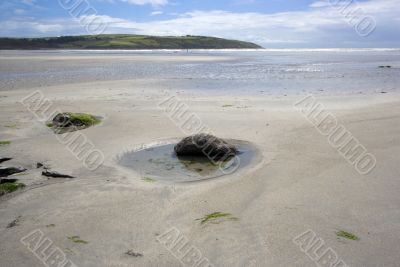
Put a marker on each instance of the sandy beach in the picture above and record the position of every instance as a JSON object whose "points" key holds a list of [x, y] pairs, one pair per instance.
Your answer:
{"points": [[300, 183]]}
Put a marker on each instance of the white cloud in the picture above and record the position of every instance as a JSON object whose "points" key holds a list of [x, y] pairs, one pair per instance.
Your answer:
{"points": [[36, 27], [19, 11], [29, 2], [155, 13], [146, 2], [320, 4]]}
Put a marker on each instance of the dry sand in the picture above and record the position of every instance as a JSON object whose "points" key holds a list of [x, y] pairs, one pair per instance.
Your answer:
{"points": [[302, 182]]}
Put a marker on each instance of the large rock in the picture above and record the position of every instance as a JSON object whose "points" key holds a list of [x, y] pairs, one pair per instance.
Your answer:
{"points": [[71, 122], [205, 145], [71, 119]]}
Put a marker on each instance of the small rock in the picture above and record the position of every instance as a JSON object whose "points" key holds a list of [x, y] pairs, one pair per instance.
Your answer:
{"points": [[14, 223], [133, 254], [205, 145], [39, 165], [4, 159], [7, 171], [54, 174]]}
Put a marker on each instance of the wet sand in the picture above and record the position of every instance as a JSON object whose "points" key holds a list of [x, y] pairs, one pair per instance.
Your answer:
{"points": [[302, 182]]}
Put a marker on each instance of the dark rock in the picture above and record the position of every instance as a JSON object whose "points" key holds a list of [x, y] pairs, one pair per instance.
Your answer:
{"points": [[70, 122], [62, 120], [54, 174], [4, 159], [133, 254], [14, 223], [5, 181], [205, 145], [39, 165], [7, 171], [70, 119]]}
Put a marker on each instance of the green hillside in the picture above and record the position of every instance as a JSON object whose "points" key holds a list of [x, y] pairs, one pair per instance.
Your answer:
{"points": [[123, 41]]}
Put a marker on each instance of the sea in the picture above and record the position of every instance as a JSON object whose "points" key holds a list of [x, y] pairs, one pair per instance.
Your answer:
{"points": [[268, 71]]}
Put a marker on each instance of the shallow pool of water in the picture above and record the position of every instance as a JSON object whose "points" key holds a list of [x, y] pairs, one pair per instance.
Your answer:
{"points": [[160, 163]]}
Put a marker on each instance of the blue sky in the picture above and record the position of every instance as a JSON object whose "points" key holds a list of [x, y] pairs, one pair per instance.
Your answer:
{"points": [[270, 23]]}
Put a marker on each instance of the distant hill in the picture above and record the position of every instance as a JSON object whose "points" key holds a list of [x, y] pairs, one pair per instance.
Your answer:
{"points": [[123, 41]]}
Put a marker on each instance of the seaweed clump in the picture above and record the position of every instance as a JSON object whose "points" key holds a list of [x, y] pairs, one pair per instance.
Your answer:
{"points": [[70, 122]]}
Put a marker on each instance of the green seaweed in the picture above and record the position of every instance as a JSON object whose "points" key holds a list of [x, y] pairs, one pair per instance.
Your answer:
{"points": [[214, 217], [77, 121], [83, 118], [148, 179], [12, 126], [77, 239], [10, 187], [347, 235], [4, 143]]}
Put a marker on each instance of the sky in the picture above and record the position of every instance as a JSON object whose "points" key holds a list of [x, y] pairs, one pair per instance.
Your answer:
{"points": [[269, 23]]}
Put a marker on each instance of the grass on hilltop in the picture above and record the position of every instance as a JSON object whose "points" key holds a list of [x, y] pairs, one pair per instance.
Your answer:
{"points": [[124, 41]]}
